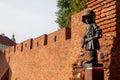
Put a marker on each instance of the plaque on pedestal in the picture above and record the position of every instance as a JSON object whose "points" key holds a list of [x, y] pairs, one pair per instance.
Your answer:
{"points": [[88, 65]]}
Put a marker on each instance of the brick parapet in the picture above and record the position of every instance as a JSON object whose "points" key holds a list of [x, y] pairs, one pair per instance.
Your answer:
{"points": [[41, 41]]}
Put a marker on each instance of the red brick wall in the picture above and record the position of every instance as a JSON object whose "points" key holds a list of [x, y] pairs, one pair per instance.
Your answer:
{"points": [[50, 57]]}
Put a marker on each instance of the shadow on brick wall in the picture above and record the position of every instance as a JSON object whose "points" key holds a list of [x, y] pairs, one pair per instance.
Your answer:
{"points": [[5, 71], [115, 52]]}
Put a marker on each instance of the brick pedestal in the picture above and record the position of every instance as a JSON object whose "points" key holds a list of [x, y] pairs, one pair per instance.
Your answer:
{"points": [[94, 73]]}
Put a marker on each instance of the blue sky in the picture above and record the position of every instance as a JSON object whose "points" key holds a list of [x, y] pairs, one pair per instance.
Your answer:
{"points": [[27, 18]]}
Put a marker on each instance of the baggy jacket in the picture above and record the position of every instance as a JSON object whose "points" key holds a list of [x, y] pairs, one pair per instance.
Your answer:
{"points": [[91, 36]]}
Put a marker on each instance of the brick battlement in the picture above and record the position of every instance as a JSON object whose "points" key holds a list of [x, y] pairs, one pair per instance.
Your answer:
{"points": [[41, 41], [51, 56]]}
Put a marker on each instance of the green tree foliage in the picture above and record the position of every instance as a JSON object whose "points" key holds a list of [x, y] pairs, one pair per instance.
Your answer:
{"points": [[66, 9]]}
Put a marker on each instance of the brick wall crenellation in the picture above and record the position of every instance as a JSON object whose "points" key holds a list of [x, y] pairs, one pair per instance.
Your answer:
{"points": [[58, 36]]}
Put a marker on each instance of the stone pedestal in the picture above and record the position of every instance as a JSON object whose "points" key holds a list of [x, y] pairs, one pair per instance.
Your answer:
{"points": [[93, 72]]}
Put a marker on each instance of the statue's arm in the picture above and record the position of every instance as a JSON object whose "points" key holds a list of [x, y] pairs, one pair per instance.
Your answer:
{"points": [[83, 41], [97, 36], [89, 39]]}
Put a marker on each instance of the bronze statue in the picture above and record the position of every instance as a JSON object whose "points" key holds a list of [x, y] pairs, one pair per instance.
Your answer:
{"points": [[91, 36]]}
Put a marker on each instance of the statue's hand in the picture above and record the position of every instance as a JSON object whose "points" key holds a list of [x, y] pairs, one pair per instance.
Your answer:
{"points": [[89, 39]]}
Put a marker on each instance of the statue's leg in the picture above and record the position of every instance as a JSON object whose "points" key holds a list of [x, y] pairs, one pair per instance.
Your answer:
{"points": [[93, 56]]}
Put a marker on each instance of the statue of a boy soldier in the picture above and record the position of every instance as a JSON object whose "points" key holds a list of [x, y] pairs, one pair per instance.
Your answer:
{"points": [[91, 36]]}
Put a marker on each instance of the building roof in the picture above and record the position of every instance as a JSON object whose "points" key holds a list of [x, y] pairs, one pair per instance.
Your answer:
{"points": [[6, 41]]}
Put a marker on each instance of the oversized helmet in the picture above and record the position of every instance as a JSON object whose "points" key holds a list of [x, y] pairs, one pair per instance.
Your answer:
{"points": [[88, 17]]}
